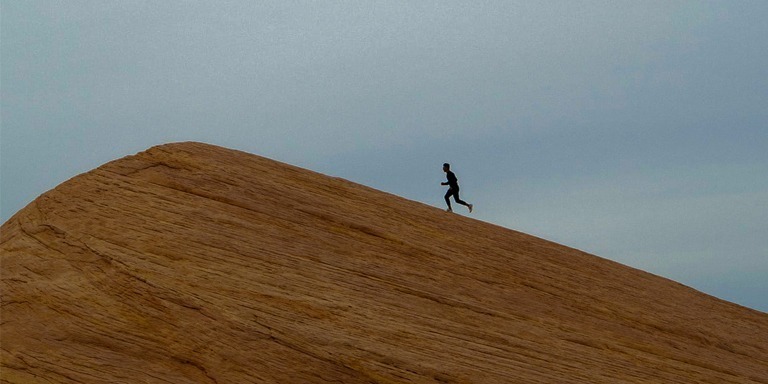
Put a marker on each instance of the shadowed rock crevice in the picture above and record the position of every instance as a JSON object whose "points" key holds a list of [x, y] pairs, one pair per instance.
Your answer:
{"points": [[191, 263]]}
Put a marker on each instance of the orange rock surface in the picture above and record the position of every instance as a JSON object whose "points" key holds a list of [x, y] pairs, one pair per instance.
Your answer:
{"points": [[191, 263]]}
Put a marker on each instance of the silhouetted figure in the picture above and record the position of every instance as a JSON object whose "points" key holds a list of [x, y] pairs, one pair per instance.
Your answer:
{"points": [[453, 188]]}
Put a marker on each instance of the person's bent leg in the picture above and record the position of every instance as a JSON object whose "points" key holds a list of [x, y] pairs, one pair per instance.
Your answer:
{"points": [[448, 199]]}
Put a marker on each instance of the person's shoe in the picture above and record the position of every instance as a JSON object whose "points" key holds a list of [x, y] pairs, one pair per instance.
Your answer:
{"points": [[449, 210], [470, 208]]}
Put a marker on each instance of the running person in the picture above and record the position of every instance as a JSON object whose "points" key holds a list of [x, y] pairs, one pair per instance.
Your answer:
{"points": [[453, 188]]}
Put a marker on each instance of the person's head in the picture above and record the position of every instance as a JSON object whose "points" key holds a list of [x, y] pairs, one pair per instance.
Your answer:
{"points": [[446, 167]]}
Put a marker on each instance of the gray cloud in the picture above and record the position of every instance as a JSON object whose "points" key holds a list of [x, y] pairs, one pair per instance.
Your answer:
{"points": [[633, 130]]}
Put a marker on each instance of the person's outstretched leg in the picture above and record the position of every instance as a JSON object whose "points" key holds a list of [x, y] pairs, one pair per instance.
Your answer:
{"points": [[460, 201]]}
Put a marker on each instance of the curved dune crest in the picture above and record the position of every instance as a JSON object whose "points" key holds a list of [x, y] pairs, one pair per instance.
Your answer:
{"points": [[191, 263]]}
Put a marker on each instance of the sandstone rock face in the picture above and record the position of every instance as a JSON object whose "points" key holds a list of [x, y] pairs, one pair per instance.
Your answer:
{"points": [[190, 263]]}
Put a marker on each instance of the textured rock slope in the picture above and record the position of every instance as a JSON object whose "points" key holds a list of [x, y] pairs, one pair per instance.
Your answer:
{"points": [[190, 263]]}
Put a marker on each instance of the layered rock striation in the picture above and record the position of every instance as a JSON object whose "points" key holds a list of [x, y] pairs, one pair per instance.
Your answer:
{"points": [[191, 263]]}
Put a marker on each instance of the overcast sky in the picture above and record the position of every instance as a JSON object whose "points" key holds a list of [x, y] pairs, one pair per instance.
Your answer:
{"points": [[634, 130]]}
